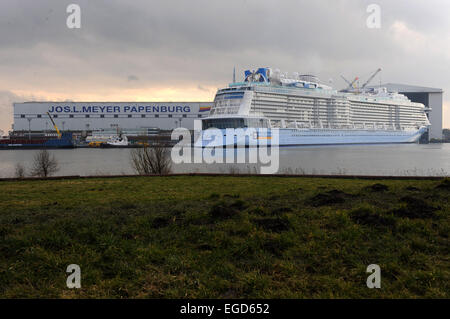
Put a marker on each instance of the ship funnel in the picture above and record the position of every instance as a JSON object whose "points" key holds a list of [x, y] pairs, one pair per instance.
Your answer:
{"points": [[275, 76]]}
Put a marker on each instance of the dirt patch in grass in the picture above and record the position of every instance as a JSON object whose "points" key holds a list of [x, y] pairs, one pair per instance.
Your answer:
{"points": [[205, 247], [160, 222], [369, 217], [281, 210], [378, 187], [231, 196], [214, 196], [125, 205], [4, 231], [261, 211], [329, 198], [224, 210], [239, 204], [276, 245], [274, 224], [412, 189], [273, 247], [444, 185], [415, 208]]}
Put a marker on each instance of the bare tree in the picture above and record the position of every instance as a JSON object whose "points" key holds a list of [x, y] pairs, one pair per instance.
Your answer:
{"points": [[20, 171], [154, 159], [43, 164]]}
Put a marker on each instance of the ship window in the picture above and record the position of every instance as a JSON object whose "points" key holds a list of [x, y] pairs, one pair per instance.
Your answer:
{"points": [[22, 115], [129, 115], [170, 115], [184, 115], [116, 115], [142, 115], [71, 115], [87, 115], [55, 116], [102, 115], [224, 123], [39, 116], [156, 115]]}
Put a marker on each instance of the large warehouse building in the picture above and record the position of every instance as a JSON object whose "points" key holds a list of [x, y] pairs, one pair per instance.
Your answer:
{"points": [[432, 98], [89, 116]]}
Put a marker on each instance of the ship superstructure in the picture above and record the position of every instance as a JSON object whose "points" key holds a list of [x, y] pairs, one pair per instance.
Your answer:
{"points": [[310, 112]]}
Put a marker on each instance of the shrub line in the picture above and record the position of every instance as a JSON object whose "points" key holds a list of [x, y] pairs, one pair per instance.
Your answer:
{"points": [[365, 177]]}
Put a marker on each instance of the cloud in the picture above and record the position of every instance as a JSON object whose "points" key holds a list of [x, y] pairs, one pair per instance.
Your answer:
{"points": [[169, 46], [133, 78], [201, 88], [7, 98], [409, 39]]}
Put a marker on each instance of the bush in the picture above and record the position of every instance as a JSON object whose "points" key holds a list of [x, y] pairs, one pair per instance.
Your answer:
{"points": [[43, 164], [152, 160], [20, 171]]}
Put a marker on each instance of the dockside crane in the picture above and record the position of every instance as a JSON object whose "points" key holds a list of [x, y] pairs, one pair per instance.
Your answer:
{"points": [[350, 84], [370, 79], [54, 125]]}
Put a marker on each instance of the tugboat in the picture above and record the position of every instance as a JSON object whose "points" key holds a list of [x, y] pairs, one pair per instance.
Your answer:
{"points": [[117, 141]]}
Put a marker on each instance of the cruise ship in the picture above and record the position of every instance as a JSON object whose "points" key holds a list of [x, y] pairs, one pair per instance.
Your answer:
{"points": [[308, 112]]}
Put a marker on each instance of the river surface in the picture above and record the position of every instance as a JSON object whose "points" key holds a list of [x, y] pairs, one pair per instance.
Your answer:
{"points": [[399, 160]]}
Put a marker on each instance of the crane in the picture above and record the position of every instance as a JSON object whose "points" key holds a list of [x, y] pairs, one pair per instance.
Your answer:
{"points": [[370, 79], [350, 84], [54, 125]]}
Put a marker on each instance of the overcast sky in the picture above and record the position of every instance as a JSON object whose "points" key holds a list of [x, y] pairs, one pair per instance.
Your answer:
{"points": [[144, 50]]}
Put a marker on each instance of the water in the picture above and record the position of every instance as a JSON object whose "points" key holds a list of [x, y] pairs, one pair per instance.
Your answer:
{"points": [[399, 160]]}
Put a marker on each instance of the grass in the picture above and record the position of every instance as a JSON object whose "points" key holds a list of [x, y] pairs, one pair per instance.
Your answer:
{"points": [[224, 237]]}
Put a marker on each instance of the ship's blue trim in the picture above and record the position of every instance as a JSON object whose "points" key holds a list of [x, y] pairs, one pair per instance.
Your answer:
{"points": [[233, 97]]}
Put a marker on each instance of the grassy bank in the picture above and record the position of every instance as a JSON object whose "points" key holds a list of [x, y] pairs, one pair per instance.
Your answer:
{"points": [[214, 237]]}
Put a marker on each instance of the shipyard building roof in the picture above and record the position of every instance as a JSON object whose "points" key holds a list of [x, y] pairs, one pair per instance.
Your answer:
{"points": [[405, 88]]}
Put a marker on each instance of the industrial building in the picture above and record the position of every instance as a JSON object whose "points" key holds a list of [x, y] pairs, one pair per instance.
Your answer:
{"points": [[432, 98], [92, 116]]}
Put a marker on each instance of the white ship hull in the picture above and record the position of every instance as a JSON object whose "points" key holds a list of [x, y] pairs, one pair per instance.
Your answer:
{"points": [[298, 137]]}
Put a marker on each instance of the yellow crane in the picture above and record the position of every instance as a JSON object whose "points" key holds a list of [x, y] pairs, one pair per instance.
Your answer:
{"points": [[54, 125]]}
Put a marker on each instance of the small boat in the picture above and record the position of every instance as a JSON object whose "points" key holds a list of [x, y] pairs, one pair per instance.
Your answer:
{"points": [[96, 143], [116, 141]]}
